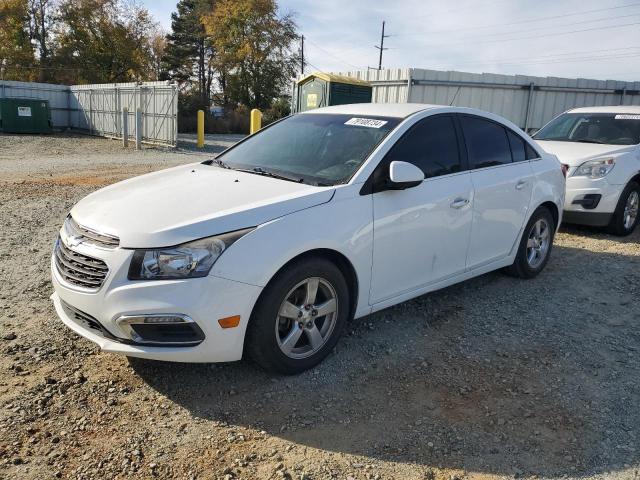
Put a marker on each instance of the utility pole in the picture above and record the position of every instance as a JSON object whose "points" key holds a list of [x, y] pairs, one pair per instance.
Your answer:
{"points": [[381, 47], [302, 54]]}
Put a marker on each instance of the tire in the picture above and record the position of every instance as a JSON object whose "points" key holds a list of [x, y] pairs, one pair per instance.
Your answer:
{"points": [[283, 337], [621, 222], [527, 264]]}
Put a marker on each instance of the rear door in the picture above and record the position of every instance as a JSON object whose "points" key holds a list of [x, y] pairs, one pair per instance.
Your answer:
{"points": [[421, 234], [502, 179]]}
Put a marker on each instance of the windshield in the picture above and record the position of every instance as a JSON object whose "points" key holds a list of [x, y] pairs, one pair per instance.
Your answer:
{"points": [[605, 128], [319, 149]]}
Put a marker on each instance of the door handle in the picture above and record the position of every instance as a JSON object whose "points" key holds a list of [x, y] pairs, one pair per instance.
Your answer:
{"points": [[521, 184], [459, 203]]}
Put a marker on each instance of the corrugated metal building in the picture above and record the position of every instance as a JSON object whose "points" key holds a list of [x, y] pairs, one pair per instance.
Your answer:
{"points": [[529, 102]]}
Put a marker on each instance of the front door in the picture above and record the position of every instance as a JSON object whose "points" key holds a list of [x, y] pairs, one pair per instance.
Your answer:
{"points": [[421, 234]]}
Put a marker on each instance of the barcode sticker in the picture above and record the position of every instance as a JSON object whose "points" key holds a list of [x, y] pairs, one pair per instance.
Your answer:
{"points": [[366, 122], [627, 117]]}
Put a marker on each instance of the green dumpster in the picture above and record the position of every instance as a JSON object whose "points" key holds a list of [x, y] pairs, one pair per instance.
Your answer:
{"points": [[24, 115], [324, 89]]}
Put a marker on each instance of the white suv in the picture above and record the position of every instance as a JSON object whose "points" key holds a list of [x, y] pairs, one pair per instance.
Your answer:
{"points": [[600, 146], [319, 218]]}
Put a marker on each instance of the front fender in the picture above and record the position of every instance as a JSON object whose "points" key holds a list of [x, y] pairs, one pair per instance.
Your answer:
{"points": [[345, 225]]}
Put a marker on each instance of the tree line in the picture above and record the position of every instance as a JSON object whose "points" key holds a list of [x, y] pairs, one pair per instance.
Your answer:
{"points": [[78, 41], [235, 54]]}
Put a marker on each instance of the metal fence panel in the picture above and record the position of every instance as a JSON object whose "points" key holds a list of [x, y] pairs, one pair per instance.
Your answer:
{"points": [[529, 102], [97, 109], [100, 110]]}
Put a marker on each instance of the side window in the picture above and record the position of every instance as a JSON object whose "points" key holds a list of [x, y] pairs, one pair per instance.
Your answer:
{"points": [[486, 141], [432, 145], [531, 153], [517, 147]]}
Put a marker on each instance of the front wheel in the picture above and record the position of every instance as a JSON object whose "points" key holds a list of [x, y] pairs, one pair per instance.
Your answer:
{"points": [[625, 218], [299, 317], [535, 246]]}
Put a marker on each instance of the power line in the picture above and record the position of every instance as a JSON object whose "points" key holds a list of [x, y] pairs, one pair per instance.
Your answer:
{"points": [[528, 20], [567, 24], [544, 35], [553, 56], [341, 60]]}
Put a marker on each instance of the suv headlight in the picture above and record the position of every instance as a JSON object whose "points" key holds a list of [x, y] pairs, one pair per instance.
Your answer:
{"points": [[595, 168], [189, 260]]}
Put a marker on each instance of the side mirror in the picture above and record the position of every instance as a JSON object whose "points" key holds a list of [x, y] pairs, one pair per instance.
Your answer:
{"points": [[404, 175]]}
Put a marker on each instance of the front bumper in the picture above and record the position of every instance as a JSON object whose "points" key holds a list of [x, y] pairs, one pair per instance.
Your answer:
{"points": [[590, 201], [205, 300]]}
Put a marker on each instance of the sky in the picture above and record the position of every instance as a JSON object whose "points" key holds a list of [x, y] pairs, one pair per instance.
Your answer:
{"points": [[560, 38]]}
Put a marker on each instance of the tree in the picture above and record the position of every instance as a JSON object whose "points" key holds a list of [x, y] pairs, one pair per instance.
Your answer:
{"points": [[158, 46], [189, 53], [16, 53], [254, 57], [102, 41], [41, 21]]}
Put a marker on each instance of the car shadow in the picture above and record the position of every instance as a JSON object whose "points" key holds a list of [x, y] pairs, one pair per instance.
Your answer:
{"points": [[495, 375]]}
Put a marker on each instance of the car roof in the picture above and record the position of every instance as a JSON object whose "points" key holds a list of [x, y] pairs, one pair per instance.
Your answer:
{"points": [[398, 110], [608, 109]]}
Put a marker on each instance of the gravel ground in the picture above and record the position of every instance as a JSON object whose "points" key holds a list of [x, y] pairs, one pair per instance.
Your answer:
{"points": [[492, 378]]}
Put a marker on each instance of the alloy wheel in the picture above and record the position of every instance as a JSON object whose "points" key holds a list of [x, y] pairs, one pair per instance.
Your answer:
{"points": [[306, 318], [631, 210], [538, 243]]}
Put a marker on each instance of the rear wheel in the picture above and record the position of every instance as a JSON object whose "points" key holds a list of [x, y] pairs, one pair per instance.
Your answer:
{"points": [[535, 246], [299, 317], [625, 218]]}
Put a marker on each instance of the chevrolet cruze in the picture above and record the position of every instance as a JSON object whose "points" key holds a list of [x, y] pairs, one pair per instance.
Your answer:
{"points": [[272, 247]]}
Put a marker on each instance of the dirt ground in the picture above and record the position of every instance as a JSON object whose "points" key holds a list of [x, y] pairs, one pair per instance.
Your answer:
{"points": [[492, 378]]}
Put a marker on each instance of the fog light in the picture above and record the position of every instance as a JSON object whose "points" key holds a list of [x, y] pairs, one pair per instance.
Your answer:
{"points": [[161, 329]]}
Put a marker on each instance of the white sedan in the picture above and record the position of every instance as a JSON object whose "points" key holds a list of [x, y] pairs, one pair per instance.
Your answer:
{"points": [[271, 248], [601, 147]]}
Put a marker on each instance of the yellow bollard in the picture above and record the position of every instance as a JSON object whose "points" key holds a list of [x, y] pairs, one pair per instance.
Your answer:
{"points": [[256, 121], [200, 129]]}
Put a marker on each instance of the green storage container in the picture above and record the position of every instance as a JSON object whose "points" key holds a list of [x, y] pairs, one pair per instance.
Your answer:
{"points": [[323, 90], [24, 115]]}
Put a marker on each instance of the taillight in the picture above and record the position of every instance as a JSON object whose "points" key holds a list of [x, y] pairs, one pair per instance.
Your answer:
{"points": [[565, 169]]}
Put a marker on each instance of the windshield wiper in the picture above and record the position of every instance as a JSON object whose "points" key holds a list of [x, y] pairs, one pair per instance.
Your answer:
{"points": [[268, 173], [587, 140]]}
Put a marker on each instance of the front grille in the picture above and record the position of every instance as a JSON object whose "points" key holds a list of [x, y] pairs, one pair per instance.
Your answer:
{"points": [[86, 235], [78, 269]]}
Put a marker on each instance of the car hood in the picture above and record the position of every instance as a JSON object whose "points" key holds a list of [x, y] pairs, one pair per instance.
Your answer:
{"points": [[173, 206], [576, 153]]}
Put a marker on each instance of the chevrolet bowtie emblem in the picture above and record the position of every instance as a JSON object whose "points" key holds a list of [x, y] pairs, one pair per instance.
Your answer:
{"points": [[74, 240]]}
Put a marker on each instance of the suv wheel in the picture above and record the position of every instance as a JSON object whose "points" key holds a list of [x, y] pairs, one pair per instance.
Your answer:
{"points": [[535, 245], [299, 317], [625, 218]]}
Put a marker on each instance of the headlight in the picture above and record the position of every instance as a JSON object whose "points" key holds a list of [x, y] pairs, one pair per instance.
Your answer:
{"points": [[189, 260], [595, 168]]}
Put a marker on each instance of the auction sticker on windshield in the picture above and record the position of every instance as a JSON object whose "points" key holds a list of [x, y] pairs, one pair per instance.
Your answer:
{"points": [[366, 122], [627, 117]]}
